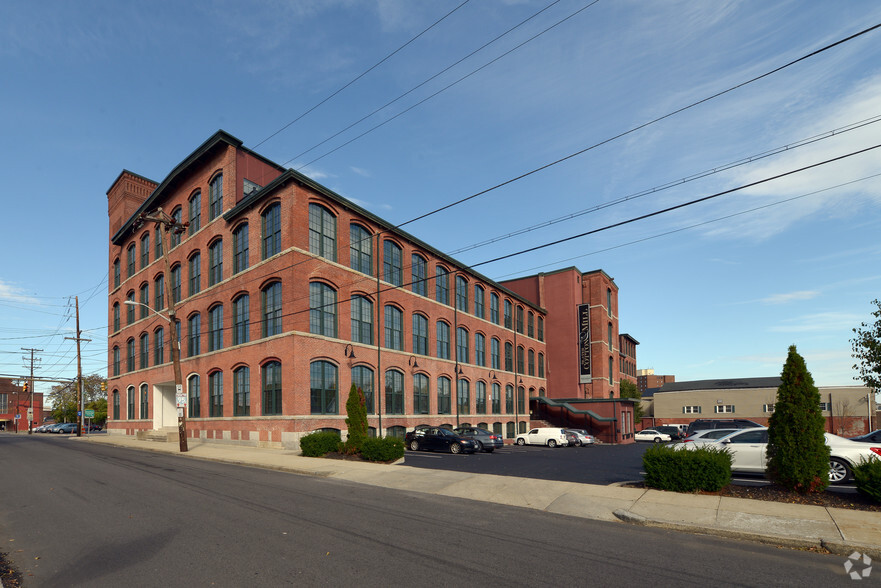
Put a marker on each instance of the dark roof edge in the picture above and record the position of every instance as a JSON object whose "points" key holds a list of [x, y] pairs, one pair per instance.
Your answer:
{"points": [[292, 175], [629, 336], [722, 384], [565, 269], [130, 172]]}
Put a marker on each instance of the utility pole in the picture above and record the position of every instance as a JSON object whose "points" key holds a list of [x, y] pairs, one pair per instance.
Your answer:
{"points": [[79, 371], [170, 225], [31, 389]]}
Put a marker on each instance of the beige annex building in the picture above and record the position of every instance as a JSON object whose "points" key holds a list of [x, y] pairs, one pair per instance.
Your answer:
{"points": [[848, 409]]}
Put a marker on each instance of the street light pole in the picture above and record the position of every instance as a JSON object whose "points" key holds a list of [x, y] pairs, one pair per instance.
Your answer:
{"points": [[169, 225]]}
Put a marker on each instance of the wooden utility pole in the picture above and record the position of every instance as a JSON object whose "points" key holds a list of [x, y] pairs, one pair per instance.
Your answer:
{"points": [[31, 390], [79, 371]]}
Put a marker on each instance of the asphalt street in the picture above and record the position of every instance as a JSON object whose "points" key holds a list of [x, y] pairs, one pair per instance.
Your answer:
{"points": [[79, 514]]}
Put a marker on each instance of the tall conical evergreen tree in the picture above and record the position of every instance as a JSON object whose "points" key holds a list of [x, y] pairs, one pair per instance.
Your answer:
{"points": [[798, 457], [356, 420]]}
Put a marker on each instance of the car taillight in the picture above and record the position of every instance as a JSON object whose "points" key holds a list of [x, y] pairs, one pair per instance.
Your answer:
{"points": [[687, 440], [875, 450]]}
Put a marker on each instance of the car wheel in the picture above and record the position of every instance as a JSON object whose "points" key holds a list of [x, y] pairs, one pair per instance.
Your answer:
{"points": [[657, 439], [455, 448], [414, 445], [478, 446], [578, 444], [552, 443], [521, 441], [839, 471], [490, 450]]}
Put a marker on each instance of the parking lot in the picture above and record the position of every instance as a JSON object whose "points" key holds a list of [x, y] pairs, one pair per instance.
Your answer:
{"points": [[598, 464]]}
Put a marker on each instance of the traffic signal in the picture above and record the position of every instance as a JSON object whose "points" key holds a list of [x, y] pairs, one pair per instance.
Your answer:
{"points": [[25, 389], [103, 386]]}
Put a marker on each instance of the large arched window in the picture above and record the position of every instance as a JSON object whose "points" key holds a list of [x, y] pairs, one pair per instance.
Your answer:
{"points": [[420, 394], [461, 294], [393, 271], [360, 249], [496, 398], [322, 310], [541, 365], [442, 284], [215, 197], [420, 334], [271, 230], [130, 354], [130, 307], [322, 232], [479, 301], [195, 263], [195, 212], [442, 333], [241, 320], [271, 303], [272, 388], [174, 236], [394, 327], [509, 357], [494, 354], [362, 377], [130, 403], [215, 262], [443, 396], [462, 350], [145, 250], [479, 349], [144, 299], [531, 364], [116, 276], [215, 328], [175, 283], [158, 346], [463, 396], [115, 316], [215, 394], [130, 257], [362, 320], [394, 392], [144, 351], [520, 360], [242, 391], [145, 408], [159, 292], [240, 248], [418, 269], [509, 399], [116, 405], [509, 309], [480, 397], [194, 334], [530, 324], [194, 397], [115, 360], [323, 385]]}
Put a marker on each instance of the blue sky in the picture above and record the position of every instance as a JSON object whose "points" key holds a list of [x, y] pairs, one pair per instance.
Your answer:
{"points": [[714, 290]]}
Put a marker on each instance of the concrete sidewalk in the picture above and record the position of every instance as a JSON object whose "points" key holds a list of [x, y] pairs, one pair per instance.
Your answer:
{"points": [[840, 531]]}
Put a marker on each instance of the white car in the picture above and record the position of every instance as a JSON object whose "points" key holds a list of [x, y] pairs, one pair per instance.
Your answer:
{"points": [[651, 435], [700, 438], [550, 436], [583, 437], [748, 449]]}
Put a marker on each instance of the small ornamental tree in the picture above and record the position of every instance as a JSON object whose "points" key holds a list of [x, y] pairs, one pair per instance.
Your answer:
{"points": [[356, 420], [867, 350], [798, 457], [629, 390]]}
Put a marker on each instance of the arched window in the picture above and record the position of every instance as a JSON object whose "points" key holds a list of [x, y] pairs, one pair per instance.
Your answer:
{"points": [[531, 364], [215, 262], [144, 299], [158, 346], [479, 308], [461, 294], [479, 349], [610, 336], [271, 303], [480, 398], [420, 394], [272, 388], [521, 400], [463, 396], [271, 230], [175, 236], [130, 354], [195, 263], [443, 396], [442, 285], [240, 248], [130, 402], [520, 319], [322, 310], [393, 271], [194, 397], [611, 375], [145, 250], [419, 268], [116, 405], [394, 327], [397, 431], [530, 324], [215, 328], [509, 357], [394, 392], [360, 249], [520, 358], [130, 308], [496, 398], [609, 301], [462, 352], [115, 360], [241, 391], [241, 332], [362, 377], [175, 283], [322, 232], [215, 197], [194, 335], [509, 309], [323, 385], [130, 256], [362, 320], [495, 358], [159, 292], [541, 328], [144, 351], [420, 334], [116, 276], [215, 394], [115, 316], [541, 365], [442, 331], [145, 409], [509, 399], [195, 212], [494, 308]]}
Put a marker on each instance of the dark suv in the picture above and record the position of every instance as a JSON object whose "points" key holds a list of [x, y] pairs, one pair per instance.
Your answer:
{"points": [[705, 424]]}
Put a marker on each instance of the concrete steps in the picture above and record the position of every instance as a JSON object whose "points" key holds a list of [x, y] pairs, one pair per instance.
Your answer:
{"points": [[164, 435]]}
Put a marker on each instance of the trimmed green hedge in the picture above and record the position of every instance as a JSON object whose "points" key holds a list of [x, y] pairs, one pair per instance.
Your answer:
{"points": [[317, 444], [382, 449], [867, 476], [686, 470]]}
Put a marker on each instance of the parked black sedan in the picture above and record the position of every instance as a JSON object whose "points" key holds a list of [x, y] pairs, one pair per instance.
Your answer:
{"points": [[438, 439], [484, 439], [873, 437]]}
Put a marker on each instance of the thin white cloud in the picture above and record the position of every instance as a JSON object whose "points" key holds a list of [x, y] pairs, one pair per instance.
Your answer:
{"points": [[818, 322], [10, 293], [790, 297], [361, 171]]}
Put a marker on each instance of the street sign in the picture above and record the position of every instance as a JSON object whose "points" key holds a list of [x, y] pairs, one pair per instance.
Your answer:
{"points": [[79, 413], [30, 414], [90, 413], [18, 416]]}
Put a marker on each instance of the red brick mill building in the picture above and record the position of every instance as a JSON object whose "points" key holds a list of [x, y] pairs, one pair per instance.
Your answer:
{"points": [[285, 294]]}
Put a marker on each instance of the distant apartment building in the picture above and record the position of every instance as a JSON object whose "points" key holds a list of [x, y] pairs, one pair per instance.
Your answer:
{"points": [[646, 379]]}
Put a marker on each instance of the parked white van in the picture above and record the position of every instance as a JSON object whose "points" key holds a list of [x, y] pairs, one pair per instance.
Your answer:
{"points": [[552, 437]]}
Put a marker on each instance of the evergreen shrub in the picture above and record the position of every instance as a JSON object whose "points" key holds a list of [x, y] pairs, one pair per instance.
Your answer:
{"points": [[705, 468], [867, 476], [318, 443], [382, 449], [356, 421]]}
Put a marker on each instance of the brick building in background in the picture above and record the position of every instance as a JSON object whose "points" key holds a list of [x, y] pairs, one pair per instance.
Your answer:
{"points": [[646, 379], [286, 294], [14, 401], [588, 357]]}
